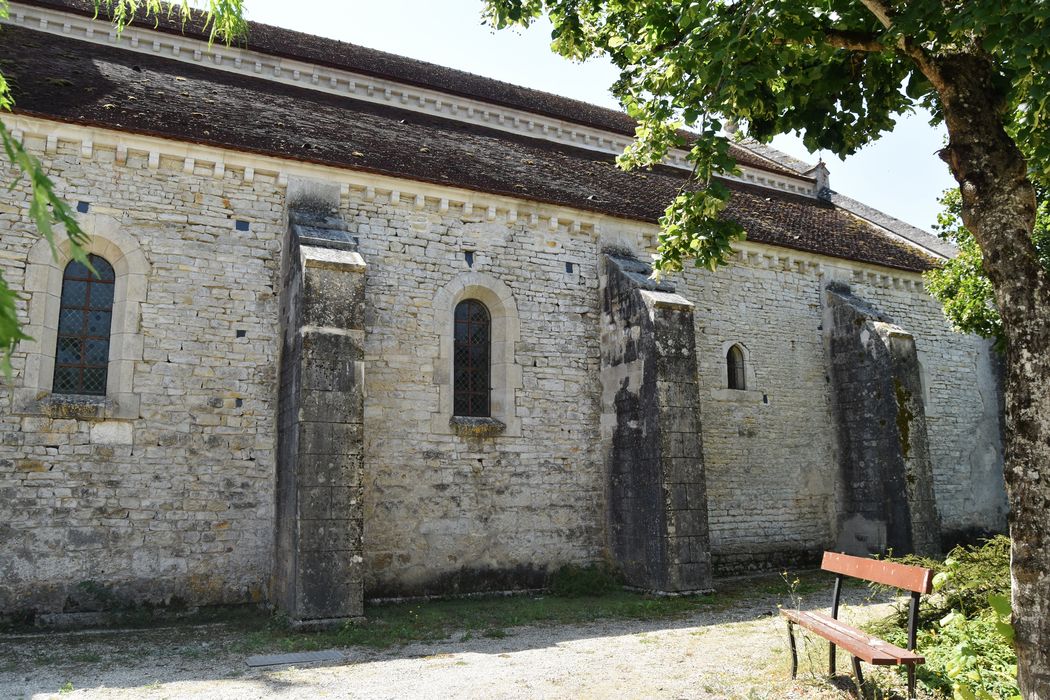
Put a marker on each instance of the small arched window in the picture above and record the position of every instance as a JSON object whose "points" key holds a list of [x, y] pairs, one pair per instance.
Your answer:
{"points": [[737, 375], [84, 321], [471, 359]]}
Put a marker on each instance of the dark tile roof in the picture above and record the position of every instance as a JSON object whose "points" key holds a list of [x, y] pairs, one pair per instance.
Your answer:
{"points": [[286, 43], [64, 79]]}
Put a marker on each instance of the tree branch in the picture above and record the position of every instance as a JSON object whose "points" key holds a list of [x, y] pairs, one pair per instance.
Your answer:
{"points": [[881, 10], [884, 14], [854, 41]]}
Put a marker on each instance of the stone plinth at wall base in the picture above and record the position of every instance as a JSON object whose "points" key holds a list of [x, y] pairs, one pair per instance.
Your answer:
{"points": [[323, 624], [469, 426], [70, 621], [108, 621], [670, 594]]}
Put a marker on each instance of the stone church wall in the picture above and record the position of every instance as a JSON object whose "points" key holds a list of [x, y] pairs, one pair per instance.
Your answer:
{"points": [[768, 449], [171, 497], [174, 502], [445, 512]]}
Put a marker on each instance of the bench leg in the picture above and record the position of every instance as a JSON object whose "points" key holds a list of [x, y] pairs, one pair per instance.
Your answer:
{"points": [[794, 650], [859, 675], [911, 681], [831, 659]]}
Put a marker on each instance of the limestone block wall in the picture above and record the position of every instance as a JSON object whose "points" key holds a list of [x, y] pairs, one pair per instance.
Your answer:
{"points": [[168, 494], [767, 449], [445, 512], [170, 498], [963, 407]]}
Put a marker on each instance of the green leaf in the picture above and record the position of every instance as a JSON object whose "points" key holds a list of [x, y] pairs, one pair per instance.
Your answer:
{"points": [[1000, 604]]}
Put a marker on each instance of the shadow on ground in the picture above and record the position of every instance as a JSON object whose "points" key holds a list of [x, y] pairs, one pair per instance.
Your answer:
{"points": [[108, 661]]}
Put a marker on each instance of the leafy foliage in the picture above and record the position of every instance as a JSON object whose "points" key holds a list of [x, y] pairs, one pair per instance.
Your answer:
{"points": [[965, 578], [53, 218], [830, 69], [47, 210], [965, 632], [961, 284], [224, 19]]}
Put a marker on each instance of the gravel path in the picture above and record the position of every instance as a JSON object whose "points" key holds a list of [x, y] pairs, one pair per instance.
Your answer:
{"points": [[738, 651]]}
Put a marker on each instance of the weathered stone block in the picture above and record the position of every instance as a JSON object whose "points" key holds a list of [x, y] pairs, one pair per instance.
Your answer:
{"points": [[657, 510], [884, 454], [319, 539], [112, 433]]}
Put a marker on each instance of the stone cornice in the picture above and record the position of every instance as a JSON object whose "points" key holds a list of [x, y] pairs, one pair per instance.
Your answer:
{"points": [[358, 86], [423, 196]]}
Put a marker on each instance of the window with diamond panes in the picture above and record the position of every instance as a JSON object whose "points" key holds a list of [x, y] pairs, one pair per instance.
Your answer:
{"points": [[82, 352], [735, 368], [472, 384]]}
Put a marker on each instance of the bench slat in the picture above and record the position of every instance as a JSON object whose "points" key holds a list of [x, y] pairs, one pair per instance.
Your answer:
{"points": [[869, 649], [909, 578]]}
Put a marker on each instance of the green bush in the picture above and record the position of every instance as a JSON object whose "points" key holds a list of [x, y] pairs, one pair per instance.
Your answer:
{"points": [[966, 577], [965, 631], [574, 581]]}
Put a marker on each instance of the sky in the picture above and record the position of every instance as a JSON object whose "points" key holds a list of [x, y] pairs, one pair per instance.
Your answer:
{"points": [[900, 174]]}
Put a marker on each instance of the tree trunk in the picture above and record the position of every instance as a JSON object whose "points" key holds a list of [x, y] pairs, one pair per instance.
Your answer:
{"points": [[999, 209]]}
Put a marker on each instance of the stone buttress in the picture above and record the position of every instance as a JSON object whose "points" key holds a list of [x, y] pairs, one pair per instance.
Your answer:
{"points": [[887, 500], [318, 568], [656, 492]]}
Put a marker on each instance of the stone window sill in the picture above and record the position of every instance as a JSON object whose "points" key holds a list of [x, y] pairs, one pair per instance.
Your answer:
{"points": [[470, 426], [74, 406], [77, 406]]}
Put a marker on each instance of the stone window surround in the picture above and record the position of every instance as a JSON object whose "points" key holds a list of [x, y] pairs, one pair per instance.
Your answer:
{"points": [[43, 286], [747, 395], [506, 374]]}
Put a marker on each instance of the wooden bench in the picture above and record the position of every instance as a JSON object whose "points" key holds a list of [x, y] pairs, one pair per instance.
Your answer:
{"points": [[862, 646]]}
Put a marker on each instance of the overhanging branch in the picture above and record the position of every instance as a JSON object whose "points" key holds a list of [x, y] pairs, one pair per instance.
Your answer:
{"points": [[854, 41], [884, 14]]}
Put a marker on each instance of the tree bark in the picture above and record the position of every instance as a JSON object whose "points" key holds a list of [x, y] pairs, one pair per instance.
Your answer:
{"points": [[999, 209]]}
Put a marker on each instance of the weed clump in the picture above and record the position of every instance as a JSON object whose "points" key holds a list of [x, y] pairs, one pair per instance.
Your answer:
{"points": [[965, 631]]}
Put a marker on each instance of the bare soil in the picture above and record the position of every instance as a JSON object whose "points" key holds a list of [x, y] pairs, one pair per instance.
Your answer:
{"points": [[733, 650]]}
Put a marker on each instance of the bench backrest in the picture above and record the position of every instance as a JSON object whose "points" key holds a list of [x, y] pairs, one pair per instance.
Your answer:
{"points": [[909, 578]]}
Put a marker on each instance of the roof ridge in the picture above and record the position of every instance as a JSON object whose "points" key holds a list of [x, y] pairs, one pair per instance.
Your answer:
{"points": [[342, 55], [335, 53]]}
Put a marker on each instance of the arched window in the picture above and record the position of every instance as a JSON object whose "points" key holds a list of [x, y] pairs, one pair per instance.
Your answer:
{"points": [[737, 374], [471, 359], [84, 321]]}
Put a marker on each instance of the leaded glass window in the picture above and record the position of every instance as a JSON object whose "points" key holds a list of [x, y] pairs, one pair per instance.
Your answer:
{"points": [[735, 368], [471, 359], [85, 318]]}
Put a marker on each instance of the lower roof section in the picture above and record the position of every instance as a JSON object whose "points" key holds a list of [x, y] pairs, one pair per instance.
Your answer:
{"points": [[73, 81]]}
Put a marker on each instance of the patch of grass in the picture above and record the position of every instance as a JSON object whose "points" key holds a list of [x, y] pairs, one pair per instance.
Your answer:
{"points": [[67, 687], [397, 624], [191, 652], [86, 658], [574, 581]]}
